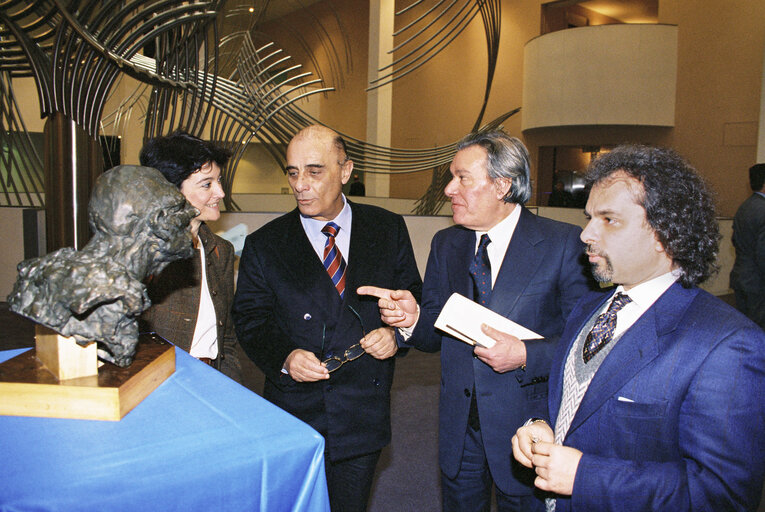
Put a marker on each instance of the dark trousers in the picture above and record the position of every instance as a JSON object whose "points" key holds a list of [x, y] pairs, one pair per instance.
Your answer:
{"points": [[349, 482], [470, 490]]}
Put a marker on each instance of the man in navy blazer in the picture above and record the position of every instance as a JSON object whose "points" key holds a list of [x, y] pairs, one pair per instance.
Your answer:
{"points": [[327, 357], [537, 278], [656, 403]]}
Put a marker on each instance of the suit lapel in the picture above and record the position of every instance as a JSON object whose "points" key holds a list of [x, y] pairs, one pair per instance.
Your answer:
{"points": [[638, 346], [518, 266], [458, 258], [363, 255], [573, 327], [301, 262]]}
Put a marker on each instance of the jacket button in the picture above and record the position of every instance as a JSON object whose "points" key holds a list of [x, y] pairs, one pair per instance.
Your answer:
{"points": [[376, 382], [329, 388], [220, 323], [307, 316], [214, 293], [467, 392]]}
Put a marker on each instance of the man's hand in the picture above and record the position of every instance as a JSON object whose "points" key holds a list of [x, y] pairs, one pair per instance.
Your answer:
{"points": [[507, 354], [380, 343], [398, 308], [527, 436], [555, 467], [304, 366]]}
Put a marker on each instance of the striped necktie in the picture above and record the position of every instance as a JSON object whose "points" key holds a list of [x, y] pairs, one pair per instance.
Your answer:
{"points": [[333, 260]]}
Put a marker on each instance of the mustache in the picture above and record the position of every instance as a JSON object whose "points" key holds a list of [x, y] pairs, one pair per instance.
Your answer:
{"points": [[591, 249]]}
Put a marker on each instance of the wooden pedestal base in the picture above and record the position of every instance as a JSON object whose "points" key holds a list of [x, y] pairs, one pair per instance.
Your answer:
{"points": [[28, 388]]}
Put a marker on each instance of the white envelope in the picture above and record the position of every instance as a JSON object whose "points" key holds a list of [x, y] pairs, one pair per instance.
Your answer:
{"points": [[462, 318]]}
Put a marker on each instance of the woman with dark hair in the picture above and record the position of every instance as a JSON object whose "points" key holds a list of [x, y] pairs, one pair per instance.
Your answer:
{"points": [[191, 299]]}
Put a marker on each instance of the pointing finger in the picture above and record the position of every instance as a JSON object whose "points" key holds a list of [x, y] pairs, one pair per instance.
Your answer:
{"points": [[374, 291]]}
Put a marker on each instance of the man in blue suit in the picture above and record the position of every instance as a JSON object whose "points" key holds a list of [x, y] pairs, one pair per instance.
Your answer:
{"points": [[656, 389], [326, 356], [533, 276]]}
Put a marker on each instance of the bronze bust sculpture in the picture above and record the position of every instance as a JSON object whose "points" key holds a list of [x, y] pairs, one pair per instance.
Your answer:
{"points": [[140, 224]]}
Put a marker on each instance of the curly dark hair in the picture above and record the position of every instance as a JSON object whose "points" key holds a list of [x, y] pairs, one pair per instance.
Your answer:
{"points": [[678, 204], [179, 154]]}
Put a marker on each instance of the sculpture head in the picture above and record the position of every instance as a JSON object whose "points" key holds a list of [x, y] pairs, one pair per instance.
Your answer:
{"points": [[140, 223], [136, 206]]}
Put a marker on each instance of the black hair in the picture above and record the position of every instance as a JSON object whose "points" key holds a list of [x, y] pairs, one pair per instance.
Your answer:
{"points": [[757, 177], [179, 154], [678, 205]]}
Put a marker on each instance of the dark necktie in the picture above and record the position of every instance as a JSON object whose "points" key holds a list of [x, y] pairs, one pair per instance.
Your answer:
{"points": [[603, 330], [333, 260], [480, 269]]}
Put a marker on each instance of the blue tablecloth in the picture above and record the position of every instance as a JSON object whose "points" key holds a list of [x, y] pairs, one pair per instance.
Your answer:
{"points": [[200, 441]]}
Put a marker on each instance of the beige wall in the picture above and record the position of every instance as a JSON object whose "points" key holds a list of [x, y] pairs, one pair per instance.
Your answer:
{"points": [[720, 59], [12, 242]]}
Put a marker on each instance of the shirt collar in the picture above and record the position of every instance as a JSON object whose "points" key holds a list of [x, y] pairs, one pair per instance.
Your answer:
{"points": [[343, 219], [645, 294], [501, 234]]}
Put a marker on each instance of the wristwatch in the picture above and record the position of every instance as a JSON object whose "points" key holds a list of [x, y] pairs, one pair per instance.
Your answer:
{"points": [[531, 421]]}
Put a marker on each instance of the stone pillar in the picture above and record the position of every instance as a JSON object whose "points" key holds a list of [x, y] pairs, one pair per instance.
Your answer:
{"points": [[379, 101]]}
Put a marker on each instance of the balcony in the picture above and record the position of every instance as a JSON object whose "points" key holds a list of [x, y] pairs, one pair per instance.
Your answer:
{"points": [[601, 75]]}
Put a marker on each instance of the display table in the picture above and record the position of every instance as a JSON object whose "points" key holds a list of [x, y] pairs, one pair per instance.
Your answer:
{"points": [[200, 441]]}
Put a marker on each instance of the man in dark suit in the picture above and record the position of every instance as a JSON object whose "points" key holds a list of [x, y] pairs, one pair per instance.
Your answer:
{"points": [[748, 275], [537, 278], [656, 389], [327, 357]]}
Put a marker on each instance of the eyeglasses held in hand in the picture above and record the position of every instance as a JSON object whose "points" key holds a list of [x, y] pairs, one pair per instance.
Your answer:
{"points": [[351, 353]]}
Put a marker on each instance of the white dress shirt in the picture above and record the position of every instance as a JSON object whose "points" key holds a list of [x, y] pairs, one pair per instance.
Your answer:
{"points": [[643, 296], [204, 343], [313, 227], [500, 236]]}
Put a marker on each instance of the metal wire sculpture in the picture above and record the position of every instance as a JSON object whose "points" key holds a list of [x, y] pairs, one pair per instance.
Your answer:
{"points": [[21, 168], [76, 51], [431, 32], [205, 71], [256, 102]]}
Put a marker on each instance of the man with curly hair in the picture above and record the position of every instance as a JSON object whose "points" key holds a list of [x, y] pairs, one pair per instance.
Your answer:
{"points": [[656, 390]]}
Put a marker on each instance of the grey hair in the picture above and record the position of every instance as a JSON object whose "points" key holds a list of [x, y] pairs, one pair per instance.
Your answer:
{"points": [[507, 158]]}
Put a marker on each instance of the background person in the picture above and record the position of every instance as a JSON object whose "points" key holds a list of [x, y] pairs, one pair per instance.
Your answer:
{"points": [[191, 298], [747, 278]]}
